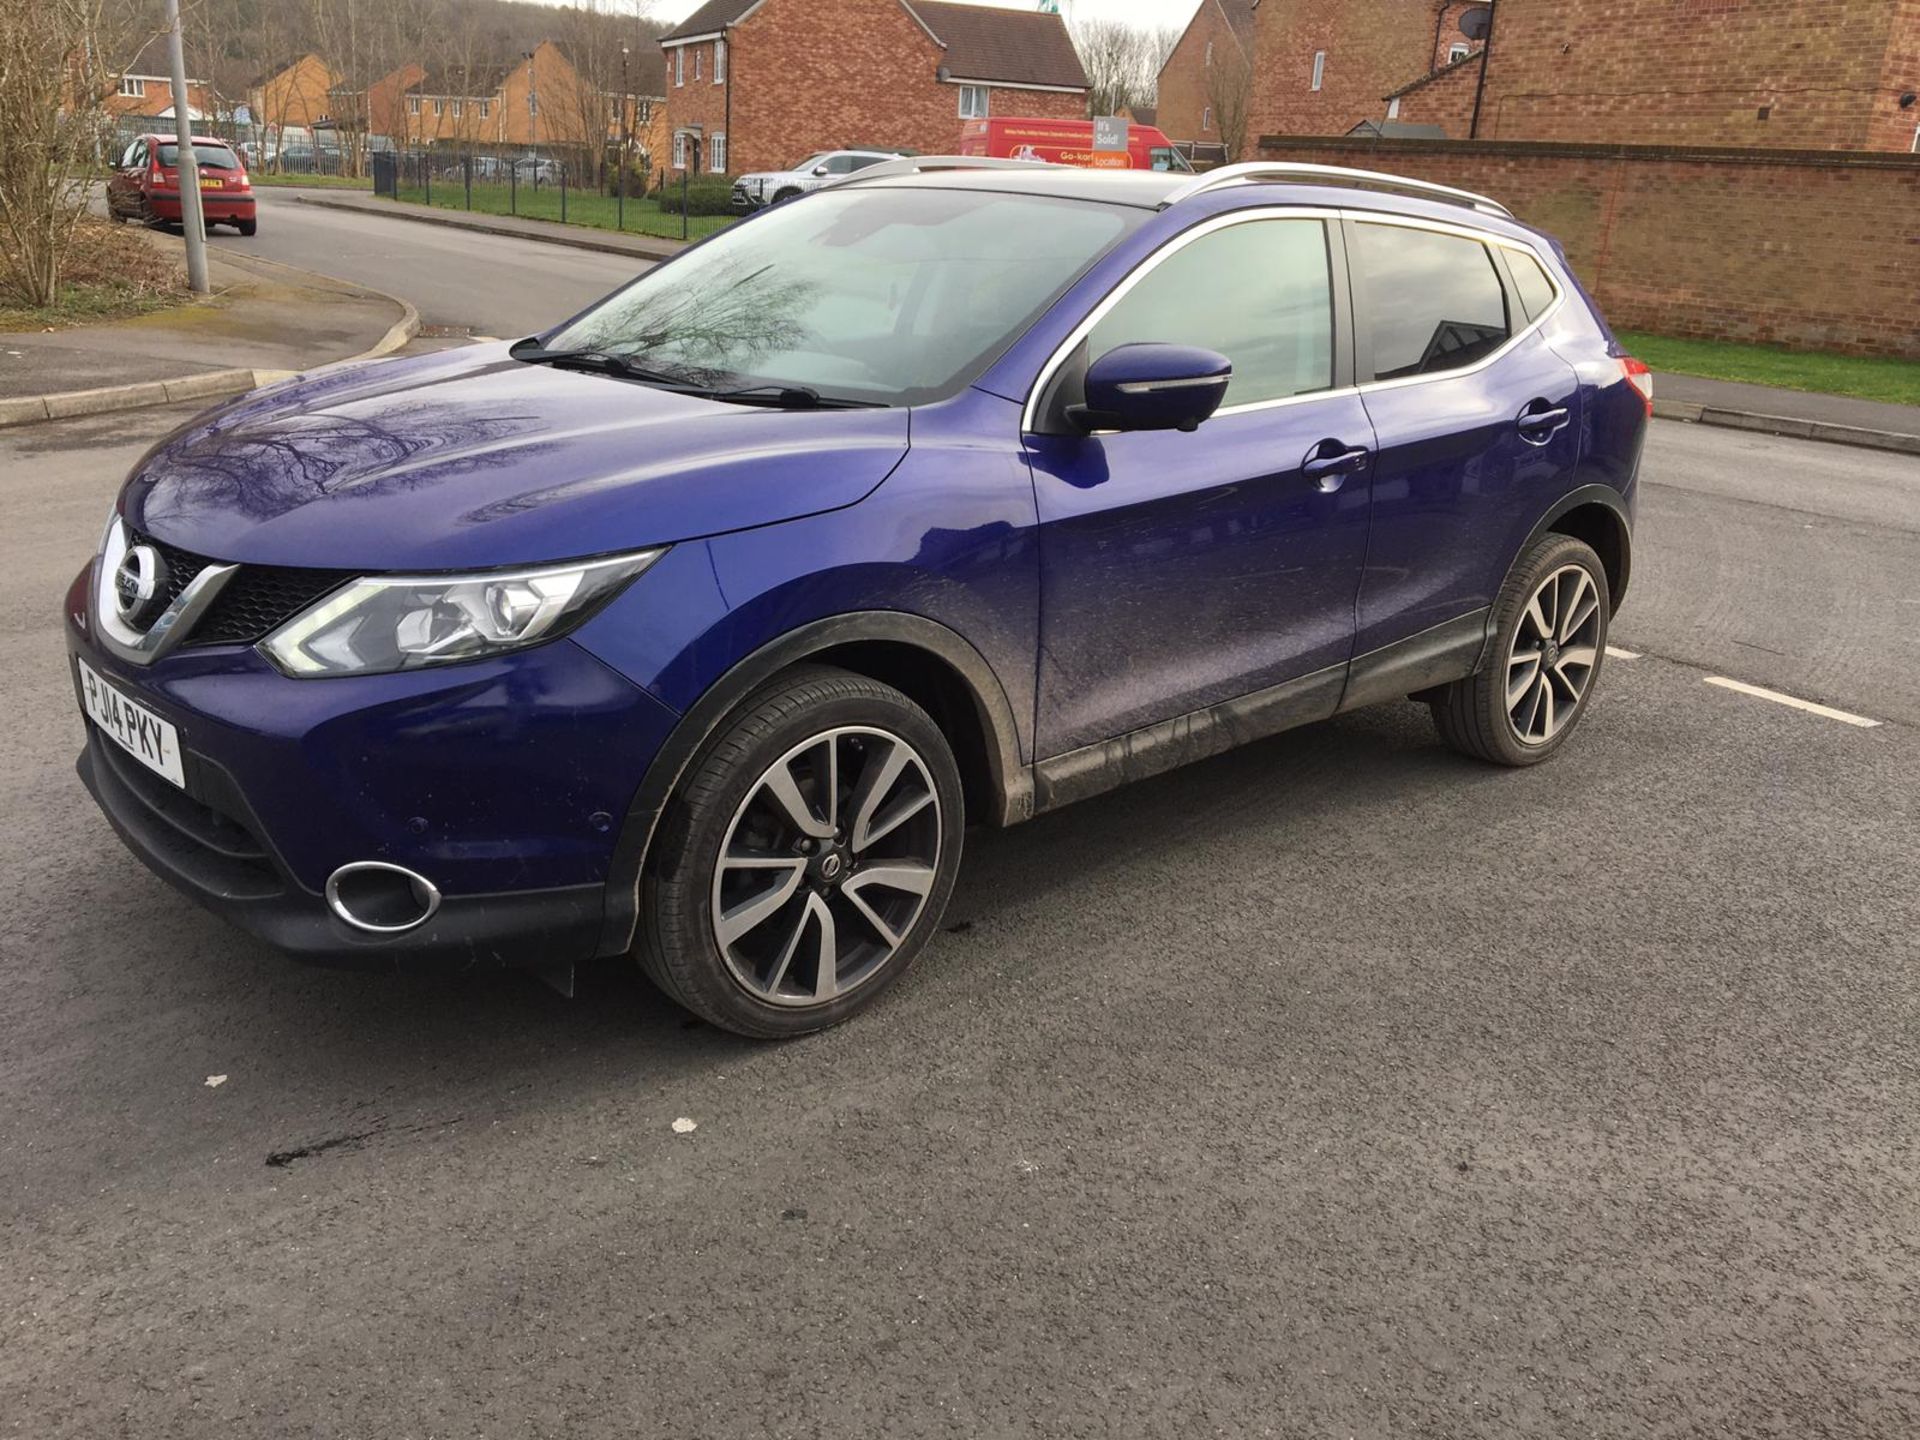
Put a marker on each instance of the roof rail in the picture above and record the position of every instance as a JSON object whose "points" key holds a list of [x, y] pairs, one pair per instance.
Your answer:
{"points": [[919, 164], [1257, 170]]}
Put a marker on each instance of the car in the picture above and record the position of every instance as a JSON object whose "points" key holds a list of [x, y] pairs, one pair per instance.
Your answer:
{"points": [[698, 627], [771, 187], [145, 185]]}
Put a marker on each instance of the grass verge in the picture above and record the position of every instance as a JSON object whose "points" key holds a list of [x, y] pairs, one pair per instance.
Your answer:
{"points": [[112, 273], [1861, 377], [322, 182], [584, 207]]}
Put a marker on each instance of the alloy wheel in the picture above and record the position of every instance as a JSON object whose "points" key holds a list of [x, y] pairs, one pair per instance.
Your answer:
{"points": [[1556, 647], [826, 866]]}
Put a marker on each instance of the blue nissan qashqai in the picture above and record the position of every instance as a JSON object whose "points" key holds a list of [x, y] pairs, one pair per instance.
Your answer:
{"points": [[700, 625]]}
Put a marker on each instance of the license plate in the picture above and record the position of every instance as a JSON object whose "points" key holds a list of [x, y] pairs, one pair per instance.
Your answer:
{"points": [[133, 727], [206, 184]]}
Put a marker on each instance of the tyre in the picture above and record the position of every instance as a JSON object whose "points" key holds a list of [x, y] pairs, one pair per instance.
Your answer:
{"points": [[247, 227], [1550, 640], [805, 859], [785, 195]]}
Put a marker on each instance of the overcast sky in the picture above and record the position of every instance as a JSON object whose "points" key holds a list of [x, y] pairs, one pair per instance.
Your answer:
{"points": [[1154, 13]]}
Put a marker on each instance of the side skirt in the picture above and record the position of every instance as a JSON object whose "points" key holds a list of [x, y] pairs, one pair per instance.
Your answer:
{"points": [[1447, 652], [1444, 653]]}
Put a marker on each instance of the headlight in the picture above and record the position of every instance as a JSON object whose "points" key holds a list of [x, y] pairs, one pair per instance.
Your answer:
{"points": [[394, 622]]}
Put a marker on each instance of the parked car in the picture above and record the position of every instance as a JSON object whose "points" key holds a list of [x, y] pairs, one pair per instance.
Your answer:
{"points": [[770, 187], [145, 186], [699, 626], [1068, 142]]}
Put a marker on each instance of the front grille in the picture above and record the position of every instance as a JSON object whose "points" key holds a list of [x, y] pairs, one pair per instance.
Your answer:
{"points": [[256, 600]]}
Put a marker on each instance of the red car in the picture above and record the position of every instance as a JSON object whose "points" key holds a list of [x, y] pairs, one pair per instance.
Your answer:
{"points": [[146, 184]]}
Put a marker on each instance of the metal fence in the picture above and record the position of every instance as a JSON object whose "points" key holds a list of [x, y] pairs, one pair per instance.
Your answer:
{"points": [[573, 185]]}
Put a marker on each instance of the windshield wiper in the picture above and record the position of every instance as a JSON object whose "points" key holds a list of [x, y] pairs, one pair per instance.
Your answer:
{"points": [[790, 397], [604, 361]]}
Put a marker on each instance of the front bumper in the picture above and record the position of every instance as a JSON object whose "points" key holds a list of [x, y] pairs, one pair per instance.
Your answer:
{"points": [[503, 782]]}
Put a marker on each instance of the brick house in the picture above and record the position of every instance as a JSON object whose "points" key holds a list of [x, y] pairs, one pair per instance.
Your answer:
{"points": [[1206, 85], [1321, 67], [297, 95], [1774, 74], [756, 84], [144, 90]]}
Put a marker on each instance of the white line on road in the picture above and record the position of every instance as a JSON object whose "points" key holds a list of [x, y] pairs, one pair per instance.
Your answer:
{"points": [[1618, 654], [1795, 702]]}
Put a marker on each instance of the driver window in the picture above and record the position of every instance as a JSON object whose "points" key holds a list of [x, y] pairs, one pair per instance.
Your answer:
{"points": [[840, 165], [1260, 293]]}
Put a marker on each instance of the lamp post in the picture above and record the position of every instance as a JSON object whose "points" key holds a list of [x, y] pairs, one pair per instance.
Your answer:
{"points": [[191, 226], [626, 140]]}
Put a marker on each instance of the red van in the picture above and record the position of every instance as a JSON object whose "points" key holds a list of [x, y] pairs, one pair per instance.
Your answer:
{"points": [[1067, 142]]}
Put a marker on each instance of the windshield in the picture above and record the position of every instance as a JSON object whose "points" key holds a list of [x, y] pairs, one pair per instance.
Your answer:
{"points": [[898, 296], [1165, 159], [207, 157]]}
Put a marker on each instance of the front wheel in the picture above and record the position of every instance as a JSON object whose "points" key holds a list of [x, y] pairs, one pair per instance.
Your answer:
{"points": [[1550, 639], [786, 195], [806, 859]]}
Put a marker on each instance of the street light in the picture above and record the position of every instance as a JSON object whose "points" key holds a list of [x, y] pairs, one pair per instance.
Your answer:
{"points": [[626, 139], [191, 226]]}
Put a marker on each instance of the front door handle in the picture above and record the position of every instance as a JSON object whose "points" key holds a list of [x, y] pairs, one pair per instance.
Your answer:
{"points": [[1329, 463], [1537, 427]]}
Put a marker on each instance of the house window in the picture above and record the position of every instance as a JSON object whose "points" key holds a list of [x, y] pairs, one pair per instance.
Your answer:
{"points": [[679, 64], [1206, 118], [413, 104], [719, 62], [973, 102], [679, 151], [1393, 108], [1319, 68], [459, 106], [699, 59], [717, 154], [1458, 51], [644, 110], [439, 107], [486, 109], [1209, 54], [133, 87], [533, 102]]}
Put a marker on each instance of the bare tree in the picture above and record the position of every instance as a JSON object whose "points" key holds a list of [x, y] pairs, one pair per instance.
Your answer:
{"points": [[1230, 93], [57, 60], [1122, 64]]}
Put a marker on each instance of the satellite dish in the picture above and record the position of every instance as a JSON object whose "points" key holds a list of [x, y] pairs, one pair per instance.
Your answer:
{"points": [[1476, 22]]}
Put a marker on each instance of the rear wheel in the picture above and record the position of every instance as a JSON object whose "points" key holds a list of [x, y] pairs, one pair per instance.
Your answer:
{"points": [[806, 859], [247, 227], [1550, 639]]}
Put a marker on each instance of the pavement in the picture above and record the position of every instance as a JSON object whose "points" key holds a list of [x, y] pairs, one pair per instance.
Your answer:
{"points": [[262, 320], [1336, 1086], [1837, 419]]}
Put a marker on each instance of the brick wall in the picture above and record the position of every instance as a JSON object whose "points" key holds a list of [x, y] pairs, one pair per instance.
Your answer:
{"points": [[1372, 47], [1445, 100], [1189, 87], [1826, 72], [1800, 248], [1050, 104]]}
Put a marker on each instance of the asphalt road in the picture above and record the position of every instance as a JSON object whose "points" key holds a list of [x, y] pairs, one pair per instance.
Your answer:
{"points": [[485, 284], [1333, 1087]]}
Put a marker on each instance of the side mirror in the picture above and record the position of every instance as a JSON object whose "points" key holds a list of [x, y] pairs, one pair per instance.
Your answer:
{"points": [[1152, 387], [819, 169]]}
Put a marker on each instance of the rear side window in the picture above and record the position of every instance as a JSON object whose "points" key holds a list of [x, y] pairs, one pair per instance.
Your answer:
{"points": [[1536, 290], [1434, 301], [1260, 293]]}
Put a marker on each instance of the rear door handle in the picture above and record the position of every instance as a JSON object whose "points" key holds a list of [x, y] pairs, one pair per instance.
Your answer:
{"points": [[1540, 426], [1330, 470]]}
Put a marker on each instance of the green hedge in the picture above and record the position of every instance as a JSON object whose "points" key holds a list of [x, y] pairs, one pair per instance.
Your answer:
{"points": [[708, 195]]}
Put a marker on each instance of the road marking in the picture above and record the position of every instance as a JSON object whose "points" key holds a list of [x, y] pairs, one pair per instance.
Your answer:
{"points": [[1618, 654], [1795, 702]]}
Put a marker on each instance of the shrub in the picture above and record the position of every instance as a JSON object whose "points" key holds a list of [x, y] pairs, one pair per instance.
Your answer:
{"points": [[708, 195]]}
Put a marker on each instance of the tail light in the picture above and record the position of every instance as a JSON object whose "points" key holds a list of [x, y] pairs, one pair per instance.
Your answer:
{"points": [[1641, 378]]}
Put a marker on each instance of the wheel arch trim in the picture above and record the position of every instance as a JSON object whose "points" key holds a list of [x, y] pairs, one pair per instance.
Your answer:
{"points": [[1604, 497], [1010, 779]]}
